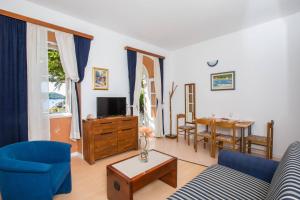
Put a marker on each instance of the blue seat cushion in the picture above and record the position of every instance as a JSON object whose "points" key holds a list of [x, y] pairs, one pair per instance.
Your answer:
{"points": [[58, 174], [220, 182]]}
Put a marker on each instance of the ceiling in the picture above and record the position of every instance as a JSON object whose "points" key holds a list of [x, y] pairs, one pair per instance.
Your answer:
{"points": [[172, 24]]}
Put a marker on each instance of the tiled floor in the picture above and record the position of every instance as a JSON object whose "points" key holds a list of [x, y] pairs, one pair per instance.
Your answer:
{"points": [[183, 151], [89, 181]]}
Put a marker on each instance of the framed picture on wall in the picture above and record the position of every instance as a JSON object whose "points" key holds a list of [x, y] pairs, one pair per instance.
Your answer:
{"points": [[222, 81], [100, 78]]}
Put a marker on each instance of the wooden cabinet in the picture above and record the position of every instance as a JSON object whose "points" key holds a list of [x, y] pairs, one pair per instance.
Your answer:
{"points": [[109, 136]]}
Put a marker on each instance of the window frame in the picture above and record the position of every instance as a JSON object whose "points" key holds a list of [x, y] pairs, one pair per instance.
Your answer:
{"points": [[53, 45]]}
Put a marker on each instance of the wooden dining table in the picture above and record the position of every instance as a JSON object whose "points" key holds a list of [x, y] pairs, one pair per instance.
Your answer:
{"points": [[242, 125]]}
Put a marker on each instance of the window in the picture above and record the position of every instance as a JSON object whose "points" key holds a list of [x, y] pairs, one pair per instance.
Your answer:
{"points": [[57, 82]]}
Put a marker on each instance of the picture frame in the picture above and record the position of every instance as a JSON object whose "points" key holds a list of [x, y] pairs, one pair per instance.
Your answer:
{"points": [[222, 81], [100, 78]]}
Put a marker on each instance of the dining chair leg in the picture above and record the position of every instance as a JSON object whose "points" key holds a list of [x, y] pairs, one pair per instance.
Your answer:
{"points": [[188, 135], [204, 142], [271, 152], [184, 134], [195, 142], [213, 149], [267, 152], [220, 145], [249, 147], [242, 141], [242, 147]]}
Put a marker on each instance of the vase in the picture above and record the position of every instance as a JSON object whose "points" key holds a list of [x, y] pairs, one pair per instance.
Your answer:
{"points": [[144, 144]]}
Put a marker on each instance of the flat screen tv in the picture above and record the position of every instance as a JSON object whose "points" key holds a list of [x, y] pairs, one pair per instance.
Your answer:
{"points": [[111, 106]]}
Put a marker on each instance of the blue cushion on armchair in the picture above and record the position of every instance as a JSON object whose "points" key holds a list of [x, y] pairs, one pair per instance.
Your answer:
{"points": [[35, 170]]}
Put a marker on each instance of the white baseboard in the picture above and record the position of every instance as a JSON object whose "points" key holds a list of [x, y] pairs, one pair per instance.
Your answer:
{"points": [[76, 154]]}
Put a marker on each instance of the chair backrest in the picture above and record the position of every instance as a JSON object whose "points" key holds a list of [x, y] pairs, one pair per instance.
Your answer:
{"points": [[35, 151], [227, 124], [203, 121], [210, 123], [178, 117], [270, 131], [285, 182]]}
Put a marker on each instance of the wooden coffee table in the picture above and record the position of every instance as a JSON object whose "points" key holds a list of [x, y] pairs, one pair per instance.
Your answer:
{"points": [[129, 175]]}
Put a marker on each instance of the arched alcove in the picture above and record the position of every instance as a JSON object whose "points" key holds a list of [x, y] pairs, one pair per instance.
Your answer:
{"points": [[149, 65]]}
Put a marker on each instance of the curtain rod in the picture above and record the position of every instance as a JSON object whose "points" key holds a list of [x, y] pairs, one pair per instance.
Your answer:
{"points": [[144, 52], [45, 24]]}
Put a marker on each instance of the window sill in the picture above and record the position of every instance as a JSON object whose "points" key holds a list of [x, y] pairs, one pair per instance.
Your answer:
{"points": [[60, 115]]}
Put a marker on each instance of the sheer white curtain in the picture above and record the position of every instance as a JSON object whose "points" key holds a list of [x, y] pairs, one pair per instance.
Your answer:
{"points": [[37, 78], [157, 82], [66, 48], [147, 101], [138, 86]]}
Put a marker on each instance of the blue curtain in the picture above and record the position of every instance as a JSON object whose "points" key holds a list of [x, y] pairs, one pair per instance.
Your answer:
{"points": [[82, 50], [131, 59], [13, 81], [161, 64]]}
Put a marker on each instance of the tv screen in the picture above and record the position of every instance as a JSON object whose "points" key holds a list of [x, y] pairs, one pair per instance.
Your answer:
{"points": [[111, 106]]}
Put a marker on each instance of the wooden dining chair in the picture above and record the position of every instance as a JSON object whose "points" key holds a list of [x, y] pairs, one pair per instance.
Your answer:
{"points": [[185, 129], [266, 141], [232, 139], [207, 135]]}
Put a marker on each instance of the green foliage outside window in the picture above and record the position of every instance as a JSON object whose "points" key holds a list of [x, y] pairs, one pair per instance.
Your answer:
{"points": [[56, 72], [57, 102]]}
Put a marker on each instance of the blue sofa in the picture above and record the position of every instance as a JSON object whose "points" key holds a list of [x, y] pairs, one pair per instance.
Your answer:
{"points": [[35, 170], [240, 176]]}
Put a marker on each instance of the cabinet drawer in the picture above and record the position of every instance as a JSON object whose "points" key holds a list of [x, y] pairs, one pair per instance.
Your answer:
{"points": [[128, 123], [105, 144], [127, 139], [126, 146], [126, 133], [104, 127]]}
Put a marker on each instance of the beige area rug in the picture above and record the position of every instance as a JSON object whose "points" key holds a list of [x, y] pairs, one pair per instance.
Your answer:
{"points": [[89, 181], [183, 151]]}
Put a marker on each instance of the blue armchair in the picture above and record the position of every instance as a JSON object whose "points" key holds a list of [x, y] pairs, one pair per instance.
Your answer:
{"points": [[35, 170]]}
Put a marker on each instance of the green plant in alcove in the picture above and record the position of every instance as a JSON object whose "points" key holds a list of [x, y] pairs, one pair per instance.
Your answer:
{"points": [[142, 96]]}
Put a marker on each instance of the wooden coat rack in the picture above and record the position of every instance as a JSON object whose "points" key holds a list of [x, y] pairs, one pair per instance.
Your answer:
{"points": [[171, 93]]}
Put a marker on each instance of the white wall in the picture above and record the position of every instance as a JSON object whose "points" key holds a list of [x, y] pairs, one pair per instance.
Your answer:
{"points": [[266, 61], [107, 50]]}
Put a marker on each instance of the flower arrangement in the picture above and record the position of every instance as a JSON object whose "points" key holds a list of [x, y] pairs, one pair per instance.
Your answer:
{"points": [[145, 134]]}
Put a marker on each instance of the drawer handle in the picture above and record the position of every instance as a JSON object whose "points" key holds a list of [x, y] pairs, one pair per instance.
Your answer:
{"points": [[126, 129], [106, 123], [117, 186], [106, 133], [126, 120]]}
